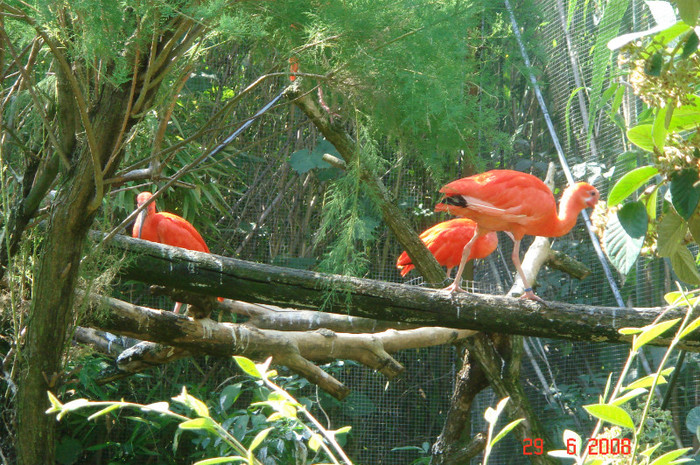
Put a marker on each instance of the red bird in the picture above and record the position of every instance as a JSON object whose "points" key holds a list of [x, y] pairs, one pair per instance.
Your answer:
{"points": [[166, 228], [446, 241], [517, 203]]}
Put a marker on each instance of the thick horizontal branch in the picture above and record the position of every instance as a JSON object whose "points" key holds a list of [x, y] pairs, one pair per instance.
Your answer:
{"points": [[293, 349], [253, 282]]}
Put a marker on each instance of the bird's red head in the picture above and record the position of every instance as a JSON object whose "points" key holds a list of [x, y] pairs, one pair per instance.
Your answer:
{"points": [[586, 194], [143, 198]]}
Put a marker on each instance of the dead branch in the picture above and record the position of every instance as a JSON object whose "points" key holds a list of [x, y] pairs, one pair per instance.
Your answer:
{"points": [[293, 349]]}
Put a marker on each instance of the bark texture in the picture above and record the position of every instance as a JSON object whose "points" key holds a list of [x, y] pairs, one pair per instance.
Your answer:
{"points": [[252, 282]]}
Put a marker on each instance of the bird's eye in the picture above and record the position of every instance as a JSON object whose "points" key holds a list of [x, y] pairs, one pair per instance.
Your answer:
{"points": [[593, 193]]}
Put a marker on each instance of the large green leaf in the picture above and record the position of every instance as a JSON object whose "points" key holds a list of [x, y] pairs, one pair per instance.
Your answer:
{"points": [[651, 332], [624, 236], [629, 183], [671, 231], [686, 116], [691, 43], [610, 413], [670, 457], [684, 194], [688, 11], [641, 137], [692, 420], [683, 264]]}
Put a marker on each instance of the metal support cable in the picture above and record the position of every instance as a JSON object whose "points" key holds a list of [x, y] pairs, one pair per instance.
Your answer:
{"points": [[562, 158]]}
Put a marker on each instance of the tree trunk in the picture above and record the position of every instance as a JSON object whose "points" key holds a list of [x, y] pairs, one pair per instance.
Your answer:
{"points": [[51, 313]]}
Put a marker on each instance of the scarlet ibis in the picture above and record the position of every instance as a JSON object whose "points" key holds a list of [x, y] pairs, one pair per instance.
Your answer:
{"points": [[166, 228], [446, 242], [517, 203]]}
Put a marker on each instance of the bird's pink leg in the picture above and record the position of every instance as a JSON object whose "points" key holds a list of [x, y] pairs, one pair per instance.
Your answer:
{"points": [[455, 287], [449, 272], [516, 261]]}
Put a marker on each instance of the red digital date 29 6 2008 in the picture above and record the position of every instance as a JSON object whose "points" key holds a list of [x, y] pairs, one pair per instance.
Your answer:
{"points": [[596, 446]]}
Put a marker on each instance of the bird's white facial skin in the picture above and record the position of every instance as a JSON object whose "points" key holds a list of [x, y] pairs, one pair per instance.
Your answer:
{"points": [[592, 198]]}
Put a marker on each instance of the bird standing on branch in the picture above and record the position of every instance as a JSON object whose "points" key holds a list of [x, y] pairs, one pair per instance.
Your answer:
{"points": [[166, 228], [446, 242], [516, 203]]}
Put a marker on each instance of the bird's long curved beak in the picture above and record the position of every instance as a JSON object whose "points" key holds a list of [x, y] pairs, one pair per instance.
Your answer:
{"points": [[139, 222]]}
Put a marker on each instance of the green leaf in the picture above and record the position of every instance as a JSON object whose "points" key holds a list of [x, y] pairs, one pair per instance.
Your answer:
{"points": [[671, 231], [692, 326], [647, 452], [669, 457], [203, 423], [644, 382], [688, 11], [315, 442], [192, 402], [610, 413], [259, 438], [683, 264], [686, 117], [221, 460], [624, 236], [650, 202], [633, 219], [694, 226], [506, 429], [692, 420], [654, 64], [229, 395], [684, 194], [691, 44], [652, 332], [629, 331], [658, 129], [682, 298], [104, 411], [641, 137], [629, 183], [629, 396], [303, 161], [248, 366]]}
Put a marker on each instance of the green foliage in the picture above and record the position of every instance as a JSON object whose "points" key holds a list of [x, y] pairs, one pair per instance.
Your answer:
{"points": [[664, 76], [276, 439], [639, 423]]}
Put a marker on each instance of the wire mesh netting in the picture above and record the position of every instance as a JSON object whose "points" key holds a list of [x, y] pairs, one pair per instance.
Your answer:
{"points": [[274, 219]]}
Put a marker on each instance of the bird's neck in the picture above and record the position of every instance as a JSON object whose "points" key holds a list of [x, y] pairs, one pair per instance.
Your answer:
{"points": [[568, 213]]}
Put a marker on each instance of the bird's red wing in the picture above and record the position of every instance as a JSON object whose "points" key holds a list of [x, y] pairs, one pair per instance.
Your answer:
{"points": [[175, 230], [505, 195]]}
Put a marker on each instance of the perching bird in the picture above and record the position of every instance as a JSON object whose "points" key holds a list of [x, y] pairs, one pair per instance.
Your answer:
{"points": [[517, 203], [166, 228], [446, 242]]}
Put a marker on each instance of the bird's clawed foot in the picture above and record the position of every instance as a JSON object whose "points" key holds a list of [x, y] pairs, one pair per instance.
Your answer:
{"points": [[453, 288], [528, 294]]}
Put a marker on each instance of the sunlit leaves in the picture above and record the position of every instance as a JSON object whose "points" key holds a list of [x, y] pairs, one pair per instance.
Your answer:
{"points": [[629, 183], [640, 136], [611, 414]]}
